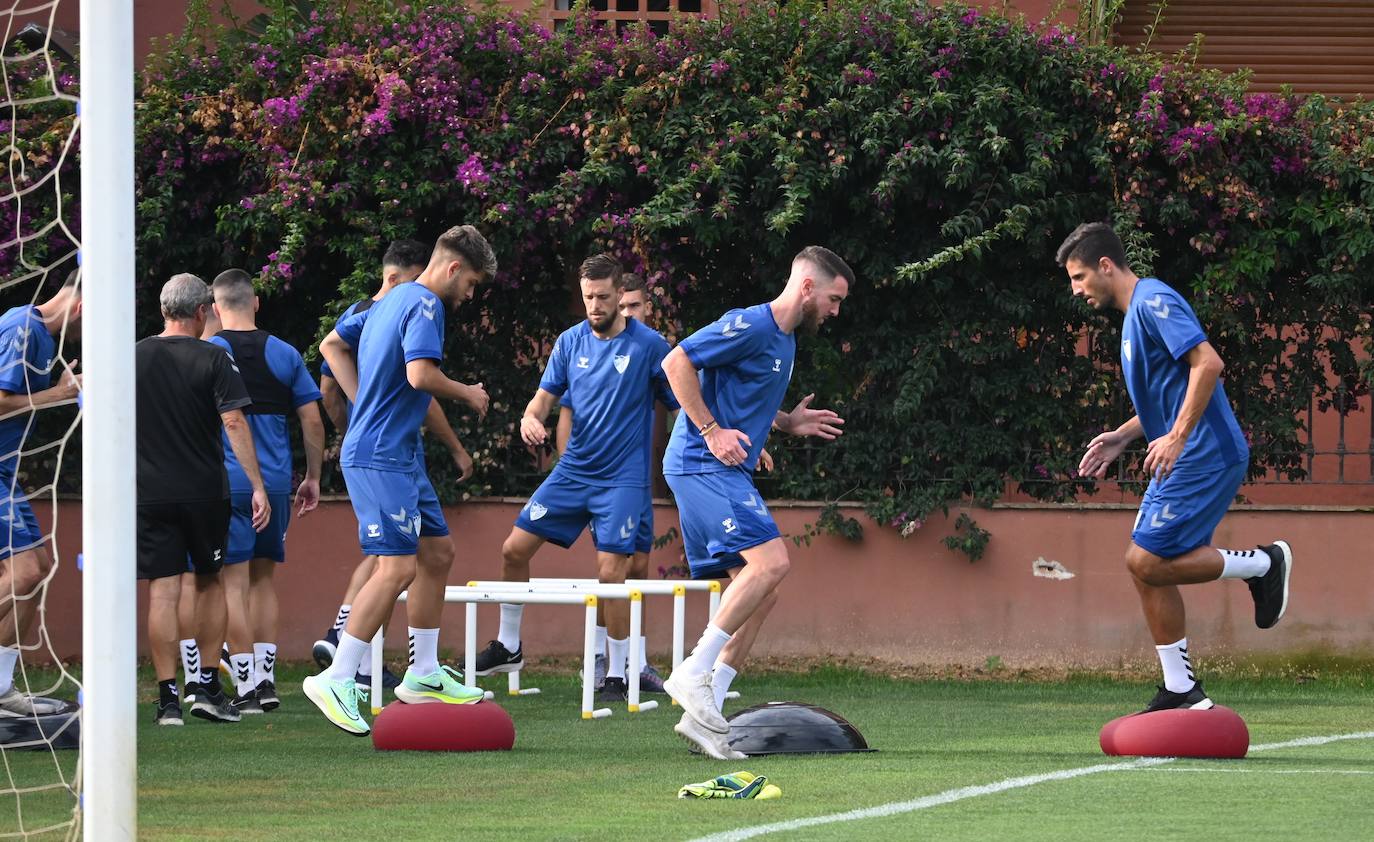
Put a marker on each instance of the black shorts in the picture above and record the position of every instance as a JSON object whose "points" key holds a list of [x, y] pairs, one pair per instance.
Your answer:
{"points": [[171, 535]]}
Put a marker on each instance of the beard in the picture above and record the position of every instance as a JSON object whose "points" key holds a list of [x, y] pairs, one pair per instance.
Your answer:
{"points": [[602, 322], [811, 318]]}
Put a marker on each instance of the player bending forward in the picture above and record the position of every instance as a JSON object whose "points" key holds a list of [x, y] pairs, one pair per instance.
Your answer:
{"points": [[730, 378], [1196, 460]]}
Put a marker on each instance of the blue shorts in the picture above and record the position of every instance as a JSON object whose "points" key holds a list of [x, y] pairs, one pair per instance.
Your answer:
{"points": [[562, 507], [1179, 513], [721, 514], [394, 509], [644, 538], [18, 527], [244, 543]]}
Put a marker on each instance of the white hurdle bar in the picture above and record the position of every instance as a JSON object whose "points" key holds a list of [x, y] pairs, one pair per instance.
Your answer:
{"points": [[473, 596], [601, 590]]}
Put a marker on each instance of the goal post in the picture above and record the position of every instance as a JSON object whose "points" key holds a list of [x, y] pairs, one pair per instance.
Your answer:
{"points": [[109, 772]]}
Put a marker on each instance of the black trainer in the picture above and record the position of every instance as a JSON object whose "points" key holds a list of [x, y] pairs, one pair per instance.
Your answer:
{"points": [[214, 708], [324, 648], [169, 713], [1194, 699], [247, 703], [497, 658], [390, 681], [267, 695], [613, 690], [1270, 591], [191, 691]]}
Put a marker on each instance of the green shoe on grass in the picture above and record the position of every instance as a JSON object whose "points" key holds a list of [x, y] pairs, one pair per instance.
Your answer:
{"points": [[338, 701]]}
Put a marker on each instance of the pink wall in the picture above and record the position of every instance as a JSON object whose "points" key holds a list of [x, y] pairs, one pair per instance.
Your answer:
{"points": [[911, 600]]}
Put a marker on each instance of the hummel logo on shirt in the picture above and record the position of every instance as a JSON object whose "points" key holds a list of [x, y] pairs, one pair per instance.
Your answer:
{"points": [[1154, 305], [374, 530], [583, 362], [428, 311], [734, 328], [219, 554], [622, 362], [777, 365], [729, 524]]}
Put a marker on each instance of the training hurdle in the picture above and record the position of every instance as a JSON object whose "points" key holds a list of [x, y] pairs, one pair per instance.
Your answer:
{"points": [[472, 597], [659, 587]]}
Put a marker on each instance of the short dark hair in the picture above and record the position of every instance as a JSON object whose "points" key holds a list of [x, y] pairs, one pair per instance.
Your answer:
{"points": [[406, 253], [468, 243], [233, 289], [1089, 243], [828, 261], [600, 267], [631, 282]]}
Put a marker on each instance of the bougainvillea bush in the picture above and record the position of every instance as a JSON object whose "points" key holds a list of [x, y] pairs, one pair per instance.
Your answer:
{"points": [[943, 151]]}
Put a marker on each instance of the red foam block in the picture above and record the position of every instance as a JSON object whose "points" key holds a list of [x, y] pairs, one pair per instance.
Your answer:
{"points": [[1217, 733], [484, 726]]}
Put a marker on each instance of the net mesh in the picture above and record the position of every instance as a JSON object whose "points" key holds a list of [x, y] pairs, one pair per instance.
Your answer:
{"points": [[39, 180]]}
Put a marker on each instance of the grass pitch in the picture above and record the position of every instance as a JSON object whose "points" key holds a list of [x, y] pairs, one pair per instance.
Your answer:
{"points": [[288, 775]]}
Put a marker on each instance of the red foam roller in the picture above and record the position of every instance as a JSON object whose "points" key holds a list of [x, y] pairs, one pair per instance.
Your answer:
{"points": [[1215, 733], [484, 726]]}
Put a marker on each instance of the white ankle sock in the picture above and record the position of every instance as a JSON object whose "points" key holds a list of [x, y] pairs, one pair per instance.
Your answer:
{"points": [[347, 658], [721, 677], [341, 619], [365, 665], [509, 635], [619, 652], [1178, 670], [599, 642], [242, 665], [707, 650], [190, 659], [424, 651], [9, 656], [265, 662], [1244, 564]]}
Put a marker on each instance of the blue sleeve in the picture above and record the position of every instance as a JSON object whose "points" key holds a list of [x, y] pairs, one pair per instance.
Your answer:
{"points": [[555, 378], [663, 393], [325, 370], [729, 339], [350, 328], [422, 330], [289, 368], [1169, 319], [13, 378], [566, 400]]}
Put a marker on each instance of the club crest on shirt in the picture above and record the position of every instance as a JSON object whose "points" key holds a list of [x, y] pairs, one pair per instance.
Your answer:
{"points": [[584, 362], [1126, 349], [622, 362]]}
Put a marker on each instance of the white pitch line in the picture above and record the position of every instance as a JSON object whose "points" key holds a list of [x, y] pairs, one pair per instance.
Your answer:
{"points": [[1173, 769], [952, 795]]}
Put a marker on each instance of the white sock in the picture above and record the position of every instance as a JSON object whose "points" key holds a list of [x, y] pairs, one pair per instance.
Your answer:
{"points": [[721, 677], [619, 651], [424, 651], [509, 635], [1244, 564], [1178, 670], [599, 642], [707, 650], [265, 662], [347, 658], [365, 666], [341, 619], [190, 660], [242, 665], [643, 655], [9, 656]]}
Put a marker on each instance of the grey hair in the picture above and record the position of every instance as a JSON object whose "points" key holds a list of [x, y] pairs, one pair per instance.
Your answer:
{"points": [[182, 296]]}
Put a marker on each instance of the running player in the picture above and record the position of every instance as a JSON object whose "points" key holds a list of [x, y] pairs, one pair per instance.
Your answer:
{"points": [[1196, 461], [278, 383], [392, 384], [611, 370], [403, 262], [731, 377]]}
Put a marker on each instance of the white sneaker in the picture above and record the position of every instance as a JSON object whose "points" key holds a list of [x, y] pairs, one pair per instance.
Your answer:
{"points": [[15, 703], [711, 744], [695, 695]]}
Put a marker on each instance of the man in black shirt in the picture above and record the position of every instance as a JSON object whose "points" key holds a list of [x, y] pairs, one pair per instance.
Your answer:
{"points": [[186, 390]]}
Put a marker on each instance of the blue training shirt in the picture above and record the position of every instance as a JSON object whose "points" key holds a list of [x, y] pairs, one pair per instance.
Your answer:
{"points": [[612, 383], [27, 351], [406, 325], [744, 362], [1159, 331], [271, 439], [354, 334]]}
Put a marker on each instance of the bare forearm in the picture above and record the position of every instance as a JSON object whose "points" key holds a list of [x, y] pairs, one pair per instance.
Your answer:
{"points": [[334, 404], [682, 377], [339, 355], [436, 422], [312, 434], [439, 385], [1202, 382], [11, 403], [241, 441], [1131, 430]]}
